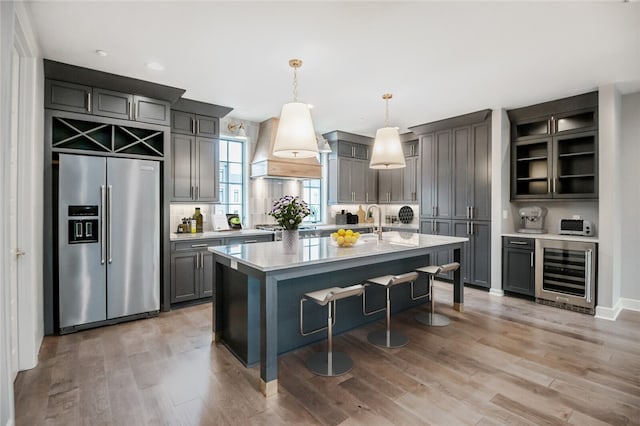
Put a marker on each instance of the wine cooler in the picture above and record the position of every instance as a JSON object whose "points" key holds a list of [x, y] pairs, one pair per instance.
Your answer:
{"points": [[566, 274]]}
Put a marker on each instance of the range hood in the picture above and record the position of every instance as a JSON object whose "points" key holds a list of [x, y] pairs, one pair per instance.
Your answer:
{"points": [[265, 164]]}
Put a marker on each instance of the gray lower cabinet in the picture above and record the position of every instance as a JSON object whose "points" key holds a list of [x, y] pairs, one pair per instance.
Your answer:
{"points": [[518, 265], [194, 168], [192, 270], [476, 266], [192, 266], [106, 103], [438, 227]]}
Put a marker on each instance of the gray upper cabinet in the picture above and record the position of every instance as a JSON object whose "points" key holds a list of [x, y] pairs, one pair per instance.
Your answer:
{"points": [[410, 180], [67, 96], [194, 124], [105, 103], [390, 186], [472, 172], [436, 159], [554, 149], [350, 179], [194, 168]]}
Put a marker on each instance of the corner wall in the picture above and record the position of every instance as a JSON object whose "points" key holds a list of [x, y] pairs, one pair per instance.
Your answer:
{"points": [[609, 171], [630, 200]]}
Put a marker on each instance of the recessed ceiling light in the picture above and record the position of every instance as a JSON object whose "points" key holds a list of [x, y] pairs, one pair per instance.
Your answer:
{"points": [[155, 66], [102, 53]]}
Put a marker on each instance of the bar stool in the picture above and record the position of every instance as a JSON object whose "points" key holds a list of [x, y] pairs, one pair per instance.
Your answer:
{"points": [[387, 338], [432, 319], [328, 363]]}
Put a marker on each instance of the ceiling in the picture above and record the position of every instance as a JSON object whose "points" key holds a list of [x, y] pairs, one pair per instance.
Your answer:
{"points": [[439, 59]]}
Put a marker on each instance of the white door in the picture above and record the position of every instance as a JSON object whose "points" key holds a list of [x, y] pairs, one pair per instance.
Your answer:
{"points": [[13, 215]]}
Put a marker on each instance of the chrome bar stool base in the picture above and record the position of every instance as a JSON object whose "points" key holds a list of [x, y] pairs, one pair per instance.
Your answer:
{"points": [[433, 320], [329, 364], [387, 339]]}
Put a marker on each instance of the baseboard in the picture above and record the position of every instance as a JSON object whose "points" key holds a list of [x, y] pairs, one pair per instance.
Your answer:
{"points": [[609, 314], [496, 292], [630, 304]]}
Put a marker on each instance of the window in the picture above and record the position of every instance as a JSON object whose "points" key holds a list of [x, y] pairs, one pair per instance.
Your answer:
{"points": [[311, 193], [231, 177]]}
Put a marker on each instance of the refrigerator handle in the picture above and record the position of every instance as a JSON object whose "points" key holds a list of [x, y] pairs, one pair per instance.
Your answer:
{"points": [[102, 224], [109, 216]]}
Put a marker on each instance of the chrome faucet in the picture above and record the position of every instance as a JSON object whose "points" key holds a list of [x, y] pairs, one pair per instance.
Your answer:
{"points": [[379, 231]]}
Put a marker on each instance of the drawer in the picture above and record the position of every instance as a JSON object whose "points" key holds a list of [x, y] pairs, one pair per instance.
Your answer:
{"points": [[517, 242], [249, 240], [196, 244]]}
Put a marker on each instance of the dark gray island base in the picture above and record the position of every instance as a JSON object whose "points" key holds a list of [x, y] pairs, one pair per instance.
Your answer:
{"points": [[258, 287]]}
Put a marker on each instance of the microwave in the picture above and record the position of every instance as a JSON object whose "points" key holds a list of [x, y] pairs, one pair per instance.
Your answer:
{"points": [[576, 227]]}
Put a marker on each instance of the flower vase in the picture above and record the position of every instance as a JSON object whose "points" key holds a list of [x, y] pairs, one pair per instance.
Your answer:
{"points": [[290, 240]]}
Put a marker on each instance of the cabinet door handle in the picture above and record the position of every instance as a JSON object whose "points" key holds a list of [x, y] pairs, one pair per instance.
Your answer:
{"points": [[588, 260], [531, 257], [548, 184], [468, 212], [519, 243], [366, 197], [197, 126], [197, 260], [471, 227], [472, 212], [88, 101], [468, 232], [130, 111], [197, 192], [135, 106], [198, 245], [553, 125], [191, 193], [554, 185], [193, 125], [250, 241]]}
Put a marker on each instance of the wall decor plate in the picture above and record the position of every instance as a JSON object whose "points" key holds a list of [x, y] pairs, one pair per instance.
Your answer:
{"points": [[405, 214]]}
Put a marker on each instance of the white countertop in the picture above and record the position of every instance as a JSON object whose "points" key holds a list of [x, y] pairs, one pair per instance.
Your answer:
{"points": [[553, 237], [219, 234], [270, 256]]}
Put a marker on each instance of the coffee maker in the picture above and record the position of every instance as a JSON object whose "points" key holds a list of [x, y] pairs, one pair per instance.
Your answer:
{"points": [[532, 220]]}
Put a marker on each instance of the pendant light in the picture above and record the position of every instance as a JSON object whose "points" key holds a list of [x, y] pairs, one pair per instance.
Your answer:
{"points": [[387, 149], [295, 137]]}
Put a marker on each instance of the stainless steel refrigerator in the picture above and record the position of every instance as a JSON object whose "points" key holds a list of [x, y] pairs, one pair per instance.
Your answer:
{"points": [[108, 239]]}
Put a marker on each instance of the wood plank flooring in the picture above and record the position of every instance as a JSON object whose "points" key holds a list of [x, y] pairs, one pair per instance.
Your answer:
{"points": [[502, 361]]}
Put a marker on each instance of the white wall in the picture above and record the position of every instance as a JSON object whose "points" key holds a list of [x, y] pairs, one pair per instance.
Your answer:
{"points": [[500, 178], [609, 170], [16, 30], [630, 150]]}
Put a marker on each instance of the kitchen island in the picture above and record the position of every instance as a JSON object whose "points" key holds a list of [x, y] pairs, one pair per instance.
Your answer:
{"points": [[257, 288]]}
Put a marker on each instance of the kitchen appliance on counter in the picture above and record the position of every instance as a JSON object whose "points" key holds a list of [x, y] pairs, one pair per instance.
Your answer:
{"points": [[576, 227], [565, 274], [108, 240], [532, 220]]}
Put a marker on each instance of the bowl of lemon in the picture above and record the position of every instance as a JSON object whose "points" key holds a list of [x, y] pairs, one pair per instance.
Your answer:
{"points": [[345, 238]]}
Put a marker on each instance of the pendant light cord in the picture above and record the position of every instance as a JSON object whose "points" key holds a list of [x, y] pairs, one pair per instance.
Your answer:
{"points": [[386, 115], [295, 84]]}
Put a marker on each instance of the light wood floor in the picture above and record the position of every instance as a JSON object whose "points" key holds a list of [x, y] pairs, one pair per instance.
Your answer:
{"points": [[502, 361]]}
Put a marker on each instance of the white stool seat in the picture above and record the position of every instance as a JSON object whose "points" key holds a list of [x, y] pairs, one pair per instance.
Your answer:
{"points": [[329, 363]]}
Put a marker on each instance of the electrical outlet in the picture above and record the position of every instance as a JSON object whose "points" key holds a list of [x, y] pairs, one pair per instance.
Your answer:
{"points": [[505, 214]]}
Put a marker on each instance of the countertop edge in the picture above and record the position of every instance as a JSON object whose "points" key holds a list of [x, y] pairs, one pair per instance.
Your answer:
{"points": [[553, 237]]}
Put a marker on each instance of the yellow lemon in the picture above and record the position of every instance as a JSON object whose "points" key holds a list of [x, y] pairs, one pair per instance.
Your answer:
{"points": [[340, 240], [341, 232], [356, 234], [348, 232], [348, 239], [334, 235]]}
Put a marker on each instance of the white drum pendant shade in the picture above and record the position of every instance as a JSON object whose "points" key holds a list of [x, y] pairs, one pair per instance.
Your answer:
{"points": [[387, 150], [295, 137]]}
